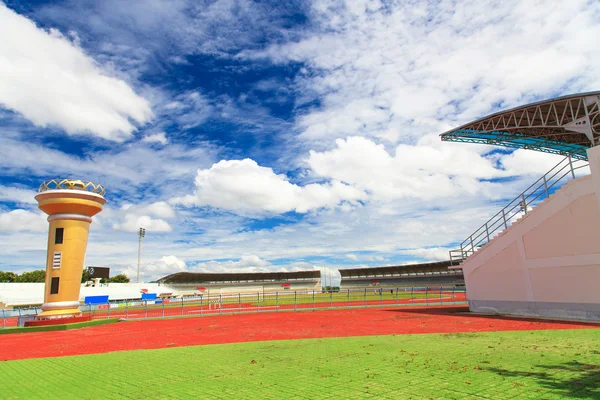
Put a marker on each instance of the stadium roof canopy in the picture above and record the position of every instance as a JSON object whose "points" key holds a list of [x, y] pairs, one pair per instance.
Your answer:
{"points": [[567, 125], [434, 267], [191, 277]]}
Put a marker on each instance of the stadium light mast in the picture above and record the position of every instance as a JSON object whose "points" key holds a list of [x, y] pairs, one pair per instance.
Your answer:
{"points": [[141, 234]]}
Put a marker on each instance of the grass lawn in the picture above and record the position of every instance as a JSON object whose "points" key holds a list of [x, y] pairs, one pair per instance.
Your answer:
{"points": [[506, 365], [286, 298]]}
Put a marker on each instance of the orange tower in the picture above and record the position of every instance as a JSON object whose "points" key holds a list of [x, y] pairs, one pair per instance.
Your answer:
{"points": [[70, 205]]}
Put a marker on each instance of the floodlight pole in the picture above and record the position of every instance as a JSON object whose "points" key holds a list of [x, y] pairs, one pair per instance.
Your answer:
{"points": [[141, 234]]}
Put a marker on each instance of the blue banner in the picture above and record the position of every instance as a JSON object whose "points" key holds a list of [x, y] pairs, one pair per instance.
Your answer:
{"points": [[96, 300], [148, 296]]}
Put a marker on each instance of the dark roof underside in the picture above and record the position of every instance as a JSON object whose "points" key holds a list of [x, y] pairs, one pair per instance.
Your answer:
{"points": [[565, 125], [441, 266], [191, 277]]}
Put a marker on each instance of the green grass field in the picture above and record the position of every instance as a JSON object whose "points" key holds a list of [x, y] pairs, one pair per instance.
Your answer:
{"points": [[286, 298], [507, 365], [341, 297]]}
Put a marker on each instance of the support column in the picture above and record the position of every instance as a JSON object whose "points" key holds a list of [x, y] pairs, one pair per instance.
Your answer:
{"points": [[594, 160]]}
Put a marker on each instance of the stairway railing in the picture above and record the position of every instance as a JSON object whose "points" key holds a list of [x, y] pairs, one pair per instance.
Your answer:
{"points": [[529, 198]]}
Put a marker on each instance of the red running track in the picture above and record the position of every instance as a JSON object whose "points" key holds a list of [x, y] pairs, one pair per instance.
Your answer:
{"points": [[154, 334]]}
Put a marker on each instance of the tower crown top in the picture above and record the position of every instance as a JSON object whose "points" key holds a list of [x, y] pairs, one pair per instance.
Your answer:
{"points": [[72, 184]]}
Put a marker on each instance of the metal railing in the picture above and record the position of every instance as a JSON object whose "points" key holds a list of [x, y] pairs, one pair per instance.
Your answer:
{"points": [[280, 301], [540, 190]]}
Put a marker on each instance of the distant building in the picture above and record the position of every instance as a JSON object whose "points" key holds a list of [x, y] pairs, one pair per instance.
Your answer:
{"points": [[190, 283], [412, 275]]}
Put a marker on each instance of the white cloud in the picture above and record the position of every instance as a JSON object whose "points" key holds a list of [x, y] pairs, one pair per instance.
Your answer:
{"points": [[245, 187], [131, 168], [429, 253], [396, 70], [17, 195], [156, 138], [22, 220], [250, 263], [130, 218], [149, 271], [421, 171], [132, 223], [51, 81]]}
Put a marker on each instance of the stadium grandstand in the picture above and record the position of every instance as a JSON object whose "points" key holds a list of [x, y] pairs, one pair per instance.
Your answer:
{"points": [[411, 275], [192, 283], [540, 254]]}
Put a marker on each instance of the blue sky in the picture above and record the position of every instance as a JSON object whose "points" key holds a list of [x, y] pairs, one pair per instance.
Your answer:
{"points": [[258, 136]]}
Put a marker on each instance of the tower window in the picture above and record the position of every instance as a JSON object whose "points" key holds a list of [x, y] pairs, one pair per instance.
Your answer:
{"points": [[56, 259], [58, 235], [54, 285]]}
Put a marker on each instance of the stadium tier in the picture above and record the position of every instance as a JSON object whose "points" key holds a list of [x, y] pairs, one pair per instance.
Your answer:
{"points": [[425, 274], [540, 254], [190, 283]]}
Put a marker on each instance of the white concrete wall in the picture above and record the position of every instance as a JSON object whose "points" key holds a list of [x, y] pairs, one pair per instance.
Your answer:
{"points": [[548, 262], [12, 294], [15, 294]]}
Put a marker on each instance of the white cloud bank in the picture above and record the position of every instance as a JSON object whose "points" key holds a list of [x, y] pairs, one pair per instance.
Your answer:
{"points": [[51, 81], [17, 195], [245, 187], [156, 138], [151, 217], [397, 70], [22, 220], [171, 264], [423, 171]]}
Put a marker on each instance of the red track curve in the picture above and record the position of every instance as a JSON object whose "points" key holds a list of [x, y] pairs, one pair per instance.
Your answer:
{"points": [[153, 334]]}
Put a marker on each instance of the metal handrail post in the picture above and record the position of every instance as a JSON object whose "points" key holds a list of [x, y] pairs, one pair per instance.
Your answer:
{"points": [[163, 308], [396, 296], [571, 166], [365, 298], [453, 298], [441, 295], [239, 302], [504, 218], [182, 307], [427, 296], [276, 300], [412, 297], [295, 299], [487, 231], [524, 203], [108, 306], [546, 186], [348, 298], [3, 318], [381, 297], [220, 304], [146, 314], [330, 297], [258, 302], [201, 306], [472, 246], [313, 299]]}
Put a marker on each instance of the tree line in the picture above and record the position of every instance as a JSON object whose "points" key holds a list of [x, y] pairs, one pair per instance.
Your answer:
{"points": [[39, 276]]}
